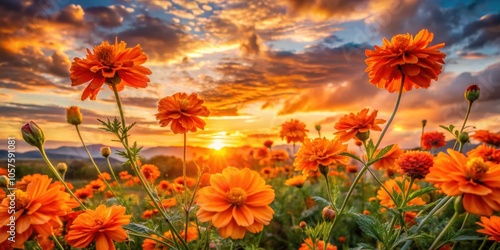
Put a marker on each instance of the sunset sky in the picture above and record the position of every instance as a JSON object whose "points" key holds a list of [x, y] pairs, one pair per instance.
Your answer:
{"points": [[255, 63]]}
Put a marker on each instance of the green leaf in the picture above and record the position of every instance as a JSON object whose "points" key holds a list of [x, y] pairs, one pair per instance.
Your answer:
{"points": [[352, 156], [370, 148], [363, 246], [371, 227], [466, 238], [421, 192], [383, 151], [139, 228], [320, 200]]}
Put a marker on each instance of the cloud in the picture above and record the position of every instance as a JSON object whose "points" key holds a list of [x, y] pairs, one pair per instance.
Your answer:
{"points": [[109, 16], [482, 32]]}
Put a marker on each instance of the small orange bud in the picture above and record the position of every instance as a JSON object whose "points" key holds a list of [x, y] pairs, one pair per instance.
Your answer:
{"points": [[366, 212], [472, 93], [268, 143], [74, 116], [342, 239], [328, 213], [62, 167], [105, 152], [302, 224]]}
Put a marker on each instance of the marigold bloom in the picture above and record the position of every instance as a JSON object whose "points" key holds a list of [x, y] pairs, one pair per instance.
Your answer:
{"points": [[279, 155], [392, 186], [415, 164], [293, 131], [164, 186], [268, 143], [148, 214], [490, 226], [408, 55], [268, 172], [190, 182], [96, 185], [150, 172], [183, 112], [478, 181], [320, 245], [297, 181], [104, 225], [84, 193], [105, 176], [320, 151], [350, 125], [488, 153], [192, 233], [487, 137], [237, 201], [26, 180], [38, 209], [124, 175], [110, 63], [388, 161], [261, 153], [432, 140]]}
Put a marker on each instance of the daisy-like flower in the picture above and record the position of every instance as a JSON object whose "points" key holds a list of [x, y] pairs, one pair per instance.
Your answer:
{"points": [[38, 209], [96, 185], [392, 185], [182, 111], [150, 172], [164, 186], [297, 181], [487, 137], [279, 155], [350, 125], [388, 161], [112, 64], [476, 180], [190, 182], [236, 202], [150, 244], [432, 140], [84, 193], [415, 164], [407, 55], [293, 131], [320, 151], [491, 227], [102, 225], [105, 176], [488, 153], [320, 245]]}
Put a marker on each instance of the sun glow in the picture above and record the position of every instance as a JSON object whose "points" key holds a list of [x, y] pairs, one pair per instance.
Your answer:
{"points": [[217, 145]]}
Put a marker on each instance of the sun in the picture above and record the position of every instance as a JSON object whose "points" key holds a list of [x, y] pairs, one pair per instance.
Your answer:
{"points": [[217, 145]]}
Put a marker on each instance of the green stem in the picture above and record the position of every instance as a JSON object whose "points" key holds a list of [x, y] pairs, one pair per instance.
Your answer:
{"points": [[120, 109], [469, 107], [186, 208], [57, 242], [113, 174], [329, 193], [493, 246], [461, 227], [54, 170], [450, 223], [484, 242], [381, 185], [400, 93], [407, 194], [97, 168]]}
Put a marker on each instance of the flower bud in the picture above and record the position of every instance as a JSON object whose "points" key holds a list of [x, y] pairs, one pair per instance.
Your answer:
{"points": [[73, 115], [342, 239], [33, 134], [105, 152], [458, 206], [4, 181], [302, 224], [323, 170], [268, 143], [463, 137], [115, 80], [62, 167], [363, 136], [328, 213], [472, 93], [317, 127], [424, 122]]}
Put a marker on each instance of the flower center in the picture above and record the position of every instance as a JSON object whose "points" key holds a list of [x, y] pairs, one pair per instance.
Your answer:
{"points": [[21, 199], [401, 41], [105, 54], [236, 196], [184, 103], [476, 168]]}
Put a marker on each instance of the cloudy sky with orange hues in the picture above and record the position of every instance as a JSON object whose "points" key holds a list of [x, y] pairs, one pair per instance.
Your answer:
{"points": [[256, 64]]}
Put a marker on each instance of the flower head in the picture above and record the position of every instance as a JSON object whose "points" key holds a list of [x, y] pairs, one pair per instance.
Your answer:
{"points": [[102, 225], [84, 193], [320, 151], [490, 226], [350, 125], [236, 201], [472, 93], [433, 140], [73, 115], [112, 64], [293, 131], [182, 111], [476, 180], [415, 164], [318, 245], [297, 181], [488, 153], [33, 134], [392, 185], [487, 137], [150, 172], [190, 182], [407, 55], [388, 161], [279, 155], [105, 152], [268, 143]]}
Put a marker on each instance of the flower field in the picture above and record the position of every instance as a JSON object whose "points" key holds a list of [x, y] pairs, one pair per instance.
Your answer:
{"points": [[320, 194]]}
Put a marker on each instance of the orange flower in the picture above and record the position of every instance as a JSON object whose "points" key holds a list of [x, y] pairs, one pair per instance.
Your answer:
{"points": [[268, 143], [113, 64], [96, 185], [350, 125], [279, 155], [164, 186], [105, 176], [478, 181], [148, 214], [405, 55], [261, 153], [388, 162], [293, 131], [150, 172], [268, 172], [192, 233], [190, 182], [391, 185], [432, 140], [297, 181], [415, 164], [27, 179], [149, 244], [36, 210], [124, 175], [488, 153], [491, 227], [320, 245], [182, 111], [320, 151], [104, 225], [237, 201], [84, 193], [487, 137]]}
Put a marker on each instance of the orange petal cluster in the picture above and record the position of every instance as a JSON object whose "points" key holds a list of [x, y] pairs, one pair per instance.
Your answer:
{"points": [[349, 125], [296, 181], [487, 137], [488, 153], [407, 55], [182, 111], [102, 225], [109, 63], [392, 185], [388, 161], [150, 172], [293, 130], [320, 245], [236, 201], [476, 180], [415, 164], [491, 227], [320, 151], [432, 140]]}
